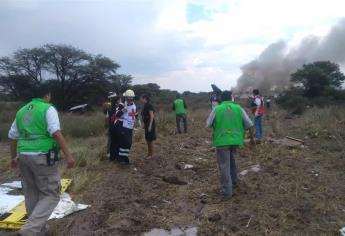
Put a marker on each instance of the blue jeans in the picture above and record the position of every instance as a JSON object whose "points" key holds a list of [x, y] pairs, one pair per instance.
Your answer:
{"points": [[258, 127], [228, 169]]}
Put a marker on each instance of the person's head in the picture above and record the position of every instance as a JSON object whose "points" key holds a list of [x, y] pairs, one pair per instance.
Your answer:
{"points": [[43, 91], [129, 96], [226, 96], [178, 96], [113, 98], [144, 99], [256, 92]]}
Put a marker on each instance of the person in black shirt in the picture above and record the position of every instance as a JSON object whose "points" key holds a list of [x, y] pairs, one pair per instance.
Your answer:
{"points": [[113, 126], [147, 115]]}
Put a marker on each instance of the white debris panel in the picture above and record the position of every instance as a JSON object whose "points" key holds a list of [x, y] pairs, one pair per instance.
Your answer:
{"points": [[9, 201]]}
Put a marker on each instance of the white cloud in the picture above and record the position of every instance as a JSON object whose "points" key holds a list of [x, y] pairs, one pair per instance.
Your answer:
{"points": [[154, 40]]}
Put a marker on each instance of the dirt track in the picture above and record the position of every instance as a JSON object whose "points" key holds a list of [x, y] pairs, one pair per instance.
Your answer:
{"points": [[298, 191]]}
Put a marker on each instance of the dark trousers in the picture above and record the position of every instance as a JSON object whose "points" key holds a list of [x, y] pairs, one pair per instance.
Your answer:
{"points": [[182, 117], [121, 143], [115, 137], [125, 145]]}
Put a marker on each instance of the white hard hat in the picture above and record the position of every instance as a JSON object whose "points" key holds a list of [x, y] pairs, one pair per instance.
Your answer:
{"points": [[129, 94]]}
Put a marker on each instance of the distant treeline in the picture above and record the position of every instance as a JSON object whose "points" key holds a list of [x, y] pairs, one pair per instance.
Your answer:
{"points": [[75, 76]]}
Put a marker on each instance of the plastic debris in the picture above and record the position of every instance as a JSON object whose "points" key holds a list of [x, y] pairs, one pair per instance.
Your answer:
{"points": [[66, 207], [188, 167], [177, 231], [13, 207], [14, 184], [342, 231], [254, 168]]}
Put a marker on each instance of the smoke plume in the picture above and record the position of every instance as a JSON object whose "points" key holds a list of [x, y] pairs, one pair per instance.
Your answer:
{"points": [[272, 69]]}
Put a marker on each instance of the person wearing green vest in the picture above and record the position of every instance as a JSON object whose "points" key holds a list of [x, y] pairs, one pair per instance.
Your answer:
{"points": [[180, 108], [229, 122], [35, 138]]}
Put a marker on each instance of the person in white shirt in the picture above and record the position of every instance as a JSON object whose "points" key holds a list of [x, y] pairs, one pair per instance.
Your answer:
{"points": [[35, 135], [127, 117]]}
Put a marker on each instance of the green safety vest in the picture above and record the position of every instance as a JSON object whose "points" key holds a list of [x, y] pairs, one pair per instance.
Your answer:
{"points": [[228, 125], [179, 107], [32, 127]]}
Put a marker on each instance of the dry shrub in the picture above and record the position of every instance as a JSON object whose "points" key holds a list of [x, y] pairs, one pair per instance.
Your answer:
{"points": [[7, 114], [87, 153], [138, 135], [165, 122], [80, 181], [326, 122], [82, 126]]}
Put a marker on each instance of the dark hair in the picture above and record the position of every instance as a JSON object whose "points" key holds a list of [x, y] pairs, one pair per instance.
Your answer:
{"points": [[226, 95], [178, 95], [114, 100], [256, 92], [146, 97], [42, 90]]}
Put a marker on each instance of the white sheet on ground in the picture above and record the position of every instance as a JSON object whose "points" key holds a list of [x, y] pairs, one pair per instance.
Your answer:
{"points": [[8, 201]]}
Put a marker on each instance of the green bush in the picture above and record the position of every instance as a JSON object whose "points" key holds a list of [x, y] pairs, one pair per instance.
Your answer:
{"points": [[293, 102]]}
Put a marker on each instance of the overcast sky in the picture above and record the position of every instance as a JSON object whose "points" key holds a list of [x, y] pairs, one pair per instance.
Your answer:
{"points": [[179, 44]]}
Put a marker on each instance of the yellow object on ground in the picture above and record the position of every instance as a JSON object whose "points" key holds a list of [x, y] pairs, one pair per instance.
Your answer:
{"points": [[16, 218]]}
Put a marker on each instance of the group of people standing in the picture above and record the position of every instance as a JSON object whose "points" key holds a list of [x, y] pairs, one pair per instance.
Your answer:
{"points": [[120, 120], [36, 139], [121, 117]]}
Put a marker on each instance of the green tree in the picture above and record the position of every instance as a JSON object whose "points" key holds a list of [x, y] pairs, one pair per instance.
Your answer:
{"points": [[318, 78], [120, 83], [74, 75], [31, 62]]}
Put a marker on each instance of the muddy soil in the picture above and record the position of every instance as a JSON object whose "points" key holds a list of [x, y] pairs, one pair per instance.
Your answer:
{"points": [[298, 190]]}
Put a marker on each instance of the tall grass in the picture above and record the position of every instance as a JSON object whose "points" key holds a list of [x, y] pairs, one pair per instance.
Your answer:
{"points": [[7, 113], [82, 126], [328, 125], [165, 122], [328, 122]]}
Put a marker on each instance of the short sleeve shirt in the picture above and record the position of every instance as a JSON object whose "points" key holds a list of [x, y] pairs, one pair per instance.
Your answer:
{"points": [[145, 113]]}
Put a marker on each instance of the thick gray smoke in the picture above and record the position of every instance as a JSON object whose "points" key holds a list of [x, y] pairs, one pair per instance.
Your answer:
{"points": [[271, 70]]}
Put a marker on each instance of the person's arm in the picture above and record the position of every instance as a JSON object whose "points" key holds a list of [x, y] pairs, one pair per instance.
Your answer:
{"points": [[62, 143], [13, 147], [54, 130], [13, 135], [152, 116], [184, 104], [248, 124], [210, 119]]}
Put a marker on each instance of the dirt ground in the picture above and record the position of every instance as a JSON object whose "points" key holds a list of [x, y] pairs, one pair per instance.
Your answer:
{"points": [[298, 190]]}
